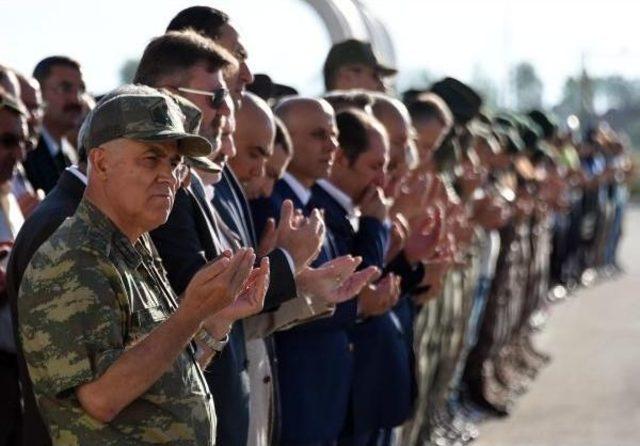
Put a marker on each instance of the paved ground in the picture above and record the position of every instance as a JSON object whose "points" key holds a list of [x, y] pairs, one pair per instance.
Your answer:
{"points": [[590, 394]]}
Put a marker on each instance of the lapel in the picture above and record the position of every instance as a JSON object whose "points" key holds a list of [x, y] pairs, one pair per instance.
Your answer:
{"points": [[208, 233], [242, 204], [335, 215], [226, 203]]}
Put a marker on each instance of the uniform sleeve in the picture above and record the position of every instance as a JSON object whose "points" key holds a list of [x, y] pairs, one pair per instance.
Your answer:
{"points": [[71, 319]]}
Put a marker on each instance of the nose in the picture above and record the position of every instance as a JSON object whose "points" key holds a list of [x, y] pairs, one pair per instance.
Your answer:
{"points": [[259, 169], [171, 174], [225, 107], [245, 73], [332, 144], [229, 148]]}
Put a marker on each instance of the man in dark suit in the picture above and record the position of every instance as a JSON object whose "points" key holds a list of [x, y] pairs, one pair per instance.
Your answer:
{"points": [[315, 358], [356, 213], [62, 87], [195, 232]]}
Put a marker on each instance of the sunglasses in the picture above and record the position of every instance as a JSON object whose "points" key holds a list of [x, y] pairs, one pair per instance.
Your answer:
{"points": [[10, 140], [217, 96]]}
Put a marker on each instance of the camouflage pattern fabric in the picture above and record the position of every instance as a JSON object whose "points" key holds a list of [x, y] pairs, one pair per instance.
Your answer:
{"points": [[87, 296]]}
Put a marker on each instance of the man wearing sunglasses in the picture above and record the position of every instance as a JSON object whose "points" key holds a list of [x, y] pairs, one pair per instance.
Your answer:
{"points": [[13, 141], [192, 66], [62, 87]]}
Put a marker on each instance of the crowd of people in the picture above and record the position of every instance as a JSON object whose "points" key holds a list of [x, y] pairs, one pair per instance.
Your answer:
{"points": [[205, 256]]}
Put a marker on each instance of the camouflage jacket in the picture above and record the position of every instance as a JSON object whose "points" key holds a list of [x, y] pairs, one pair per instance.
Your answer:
{"points": [[88, 295]]}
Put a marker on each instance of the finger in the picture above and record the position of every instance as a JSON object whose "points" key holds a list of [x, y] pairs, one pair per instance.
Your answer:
{"points": [[353, 285], [268, 238], [242, 270], [214, 268], [286, 214], [363, 277], [377, 274]]}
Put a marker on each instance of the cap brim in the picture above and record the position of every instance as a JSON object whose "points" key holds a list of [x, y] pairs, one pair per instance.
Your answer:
{"points": [[203, 163], [385, 71], [188, 144]]}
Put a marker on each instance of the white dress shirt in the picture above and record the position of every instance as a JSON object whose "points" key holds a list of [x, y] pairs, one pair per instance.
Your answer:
{"points": [[303, 193]]}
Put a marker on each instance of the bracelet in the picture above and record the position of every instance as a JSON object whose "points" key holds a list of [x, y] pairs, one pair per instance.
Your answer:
{"points": [[208, 340]]}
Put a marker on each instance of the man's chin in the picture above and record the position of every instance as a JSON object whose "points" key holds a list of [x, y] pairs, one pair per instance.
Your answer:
{"points": [[215, 177]]}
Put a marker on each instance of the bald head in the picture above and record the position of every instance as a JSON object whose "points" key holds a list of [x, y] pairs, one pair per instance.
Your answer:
{"points": [[294, 111], [254, 135], [402, 152], [254, 109], [312, 125]]}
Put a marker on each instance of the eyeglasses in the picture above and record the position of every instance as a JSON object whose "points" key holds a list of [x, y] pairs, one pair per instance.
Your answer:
{"points": [[217, 96], [11, 140]]}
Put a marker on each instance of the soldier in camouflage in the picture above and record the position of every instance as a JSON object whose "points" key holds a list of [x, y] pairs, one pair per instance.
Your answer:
{"points": [[110, 353]]}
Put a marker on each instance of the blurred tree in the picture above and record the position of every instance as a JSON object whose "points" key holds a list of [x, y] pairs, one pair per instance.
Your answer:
{"points": [[128, 70], [527, 86]]}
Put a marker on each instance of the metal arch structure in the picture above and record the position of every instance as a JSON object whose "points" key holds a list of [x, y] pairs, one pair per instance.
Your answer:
{"points": [[346, 19]]}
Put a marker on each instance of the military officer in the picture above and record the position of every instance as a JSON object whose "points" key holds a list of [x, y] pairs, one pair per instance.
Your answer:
{"points": [[111, 355]]}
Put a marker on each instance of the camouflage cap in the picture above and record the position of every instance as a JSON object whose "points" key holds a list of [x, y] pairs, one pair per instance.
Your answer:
{"points": [[145, 114], [354, 51]]}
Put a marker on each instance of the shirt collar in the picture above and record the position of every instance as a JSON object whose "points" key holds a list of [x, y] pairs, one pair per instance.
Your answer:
{"points": [[303, 193], [343, 199], [103, 230], [73, 169]]}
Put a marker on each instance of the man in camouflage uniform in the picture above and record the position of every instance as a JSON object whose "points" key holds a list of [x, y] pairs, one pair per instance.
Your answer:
{"points": [[110, 354]]}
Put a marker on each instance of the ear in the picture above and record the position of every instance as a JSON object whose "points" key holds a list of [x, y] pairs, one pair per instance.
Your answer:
{"points": [[98, 162], [341, 159]]}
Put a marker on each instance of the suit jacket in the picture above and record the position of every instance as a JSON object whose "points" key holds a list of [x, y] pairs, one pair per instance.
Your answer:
{"points": [[186, 242], [233, 207], [315, 359], [61, 203], [43, 169], [381, 391]]}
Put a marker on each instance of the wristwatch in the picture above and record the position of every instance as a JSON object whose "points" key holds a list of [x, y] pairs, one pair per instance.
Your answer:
{"points": [[211, 342]]}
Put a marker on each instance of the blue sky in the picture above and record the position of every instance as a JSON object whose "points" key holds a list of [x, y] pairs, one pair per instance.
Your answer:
{"points": [[463, 38]]}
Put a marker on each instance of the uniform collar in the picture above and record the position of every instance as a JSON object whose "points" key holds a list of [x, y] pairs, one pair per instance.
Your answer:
{"points": [[105, 236]]}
